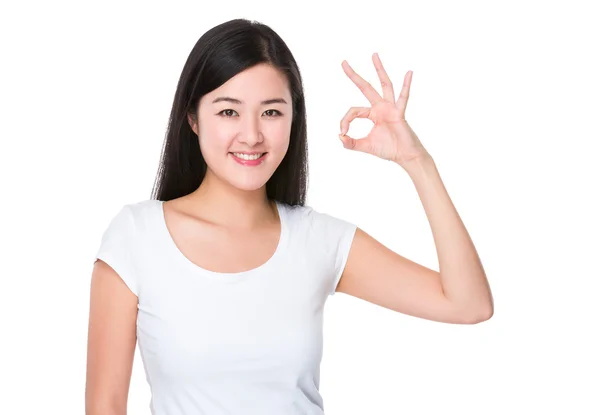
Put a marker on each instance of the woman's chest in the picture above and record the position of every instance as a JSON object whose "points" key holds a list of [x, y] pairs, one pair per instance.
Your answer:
{"points": [[218, 249], [198, 326]]}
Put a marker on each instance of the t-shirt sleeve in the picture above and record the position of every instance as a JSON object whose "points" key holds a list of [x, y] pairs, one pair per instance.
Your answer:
{"points": [[344, 236], [336, 236], [116, 247]]}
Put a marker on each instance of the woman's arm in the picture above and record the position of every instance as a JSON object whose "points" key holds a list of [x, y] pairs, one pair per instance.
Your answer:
{"points": [[459, 293], [111, 342], [463, 278]]}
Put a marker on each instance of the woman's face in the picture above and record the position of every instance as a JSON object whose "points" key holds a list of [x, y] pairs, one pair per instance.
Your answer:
{"points": [[248, 116]]}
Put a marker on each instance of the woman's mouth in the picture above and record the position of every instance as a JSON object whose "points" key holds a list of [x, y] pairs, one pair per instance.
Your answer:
{"points": [[249, 159]]}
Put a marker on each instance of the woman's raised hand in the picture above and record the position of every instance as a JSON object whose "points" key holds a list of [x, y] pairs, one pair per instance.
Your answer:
{"points": [[391, 138]]}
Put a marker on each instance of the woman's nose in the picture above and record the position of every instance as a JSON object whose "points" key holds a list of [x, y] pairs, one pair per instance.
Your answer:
{"points": [[251, 133]]}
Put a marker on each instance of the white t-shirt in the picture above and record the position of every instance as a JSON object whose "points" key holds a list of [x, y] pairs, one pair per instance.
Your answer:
{"points": [[230, 343]]}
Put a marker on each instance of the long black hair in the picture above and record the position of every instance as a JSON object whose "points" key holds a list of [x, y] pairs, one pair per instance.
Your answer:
{"points": [[221, 53]]}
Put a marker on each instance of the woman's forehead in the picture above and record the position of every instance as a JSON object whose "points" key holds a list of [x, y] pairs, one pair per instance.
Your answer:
{"points": [[254, 85]]}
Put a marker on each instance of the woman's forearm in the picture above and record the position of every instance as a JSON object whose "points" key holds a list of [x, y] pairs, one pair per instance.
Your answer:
{"points": [[463, 277]]}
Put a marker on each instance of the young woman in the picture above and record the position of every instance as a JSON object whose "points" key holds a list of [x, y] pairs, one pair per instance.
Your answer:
{"points": [[221, 277]]}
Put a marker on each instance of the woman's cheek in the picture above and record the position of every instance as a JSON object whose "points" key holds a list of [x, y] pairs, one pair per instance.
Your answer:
{"points": [[280, 135], [217, 139]]}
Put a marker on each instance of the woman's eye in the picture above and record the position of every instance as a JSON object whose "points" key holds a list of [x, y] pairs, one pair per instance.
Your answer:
{"points": [[227, 113], [273, 113]]}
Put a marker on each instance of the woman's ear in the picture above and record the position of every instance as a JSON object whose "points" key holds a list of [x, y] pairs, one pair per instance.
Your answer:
{"points": [[193, 123]]}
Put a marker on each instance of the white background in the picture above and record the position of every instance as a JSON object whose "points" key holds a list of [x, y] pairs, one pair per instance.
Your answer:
{"points": [[504, 96]]}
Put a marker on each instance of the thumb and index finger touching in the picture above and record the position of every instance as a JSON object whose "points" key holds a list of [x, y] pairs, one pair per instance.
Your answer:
{"points": [[373, 96], [362, 112]]}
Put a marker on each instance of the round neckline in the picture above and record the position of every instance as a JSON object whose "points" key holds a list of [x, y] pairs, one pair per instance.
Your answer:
{"points": [[222, 276]]}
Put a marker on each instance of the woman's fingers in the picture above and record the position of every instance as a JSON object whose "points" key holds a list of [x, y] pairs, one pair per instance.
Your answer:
{"points": [[386, 83], [360, 144], [354, 112], [352, 143], [365, 87], [404, 94]]}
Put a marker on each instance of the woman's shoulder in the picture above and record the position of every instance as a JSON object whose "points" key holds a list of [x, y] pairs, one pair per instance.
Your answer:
{"points": [[136, 216], [312, 216], [142, 204], [141, 207]]}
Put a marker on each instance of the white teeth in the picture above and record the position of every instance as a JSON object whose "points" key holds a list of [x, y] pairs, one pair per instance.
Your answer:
{"points": [[248, 157]]}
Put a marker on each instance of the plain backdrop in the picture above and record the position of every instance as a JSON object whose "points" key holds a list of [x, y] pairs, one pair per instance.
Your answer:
{"points": [[504, 96]]}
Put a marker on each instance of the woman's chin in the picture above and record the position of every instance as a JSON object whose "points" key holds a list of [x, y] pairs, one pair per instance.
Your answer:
{"points": [[249, 184]]}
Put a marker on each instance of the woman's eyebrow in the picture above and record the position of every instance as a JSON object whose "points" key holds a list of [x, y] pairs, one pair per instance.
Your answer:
{"points": [[237, 101]]}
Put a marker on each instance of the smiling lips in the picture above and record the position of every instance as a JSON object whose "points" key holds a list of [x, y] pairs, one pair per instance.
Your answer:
{"points": [[249, 159]]}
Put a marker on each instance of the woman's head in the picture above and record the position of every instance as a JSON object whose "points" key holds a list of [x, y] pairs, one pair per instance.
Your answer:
{"points": [[249, 115], [240, 91]]}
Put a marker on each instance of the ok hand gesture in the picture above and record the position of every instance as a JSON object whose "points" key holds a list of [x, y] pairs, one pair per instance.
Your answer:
{"points": [[391, 137]]}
